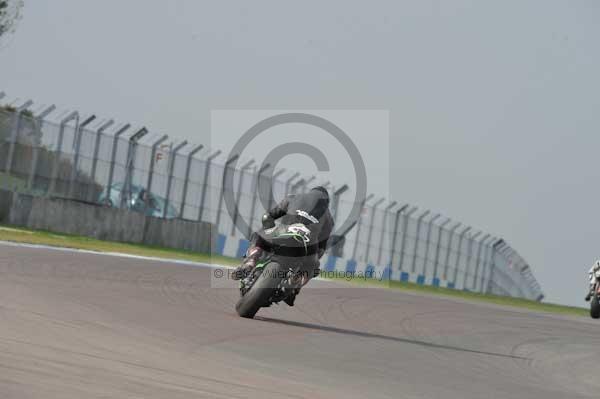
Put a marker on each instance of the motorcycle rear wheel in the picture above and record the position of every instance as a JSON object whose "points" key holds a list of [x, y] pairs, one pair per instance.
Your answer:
{"points": [[595, 307]]}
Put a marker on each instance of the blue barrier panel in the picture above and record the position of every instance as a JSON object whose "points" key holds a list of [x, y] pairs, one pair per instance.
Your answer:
{"points": [[242, 247], [404, 276], [221, 243], [330, 265], [387, 273], [436, 282], [370, 272], [450, 285], [420, 279], [351, 266]]}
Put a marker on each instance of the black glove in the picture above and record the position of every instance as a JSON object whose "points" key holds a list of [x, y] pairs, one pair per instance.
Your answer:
{"points": [[267, 221]]}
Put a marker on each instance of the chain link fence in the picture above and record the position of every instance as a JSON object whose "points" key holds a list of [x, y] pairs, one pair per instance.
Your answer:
{"points": [[120, 166]]}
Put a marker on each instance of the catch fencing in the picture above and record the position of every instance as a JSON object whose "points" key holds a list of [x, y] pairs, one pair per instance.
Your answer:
{"points": [[66, 155]]}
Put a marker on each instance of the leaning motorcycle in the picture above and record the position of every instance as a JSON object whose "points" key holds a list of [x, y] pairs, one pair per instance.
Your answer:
{"points": [[275, 278]]}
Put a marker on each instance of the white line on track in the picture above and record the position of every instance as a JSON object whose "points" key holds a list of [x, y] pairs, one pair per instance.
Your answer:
{"points": [[116, 254], [148, 258]]}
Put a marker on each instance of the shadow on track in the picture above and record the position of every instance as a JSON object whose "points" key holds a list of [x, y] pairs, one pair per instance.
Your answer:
{"points": [[362, 334]]}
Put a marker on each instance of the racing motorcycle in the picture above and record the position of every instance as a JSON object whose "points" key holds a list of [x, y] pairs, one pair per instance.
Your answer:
{"points": [[275, 278]]}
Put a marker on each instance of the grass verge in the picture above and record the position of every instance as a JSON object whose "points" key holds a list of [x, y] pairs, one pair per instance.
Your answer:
{"points": [[21, 235], [473, 296]]}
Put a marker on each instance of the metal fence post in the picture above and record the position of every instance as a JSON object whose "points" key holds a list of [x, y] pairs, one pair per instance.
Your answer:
{"points": [[478, 260], [38, 121], [358, 225], [77, 149], [404, 231], [236, 211], [336, 200], [113, 157], [486, 256], [155, 145], [307, 182], [99, 133], [495, 247], [371, 225], [14, 134], [271, 196], [296, 185], [438, 246], [255, 190], [427, 240], [221, 197], [469, 257], [288, 182], [188, 166], [384, 223], [449, 250], [535, 290], [395, 235], [129, 166], [417, 239], [205, 182], [58, 150], [505, 252], [173, 158], [458, 254]]}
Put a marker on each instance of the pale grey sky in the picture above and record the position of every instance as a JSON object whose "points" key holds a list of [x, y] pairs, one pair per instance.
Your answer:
{"points": [[493, 105]]}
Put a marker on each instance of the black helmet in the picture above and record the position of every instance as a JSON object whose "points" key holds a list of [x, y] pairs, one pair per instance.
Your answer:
{"points": [[323, 197], [322, 189], [317, 201]]}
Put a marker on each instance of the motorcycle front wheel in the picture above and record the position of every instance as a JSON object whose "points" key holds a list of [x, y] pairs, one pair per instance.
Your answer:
{"points": [[262, 290]]}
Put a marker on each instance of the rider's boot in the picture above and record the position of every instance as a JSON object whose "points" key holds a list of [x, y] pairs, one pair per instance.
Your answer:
{"points": [[291, 298], [252, 256], [302, 280], [588, 297]]}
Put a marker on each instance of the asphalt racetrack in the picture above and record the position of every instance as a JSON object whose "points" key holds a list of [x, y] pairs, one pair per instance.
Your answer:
{"points": [[77, 325]]}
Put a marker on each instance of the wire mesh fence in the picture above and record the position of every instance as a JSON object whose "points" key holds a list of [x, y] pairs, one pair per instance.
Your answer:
{"points": [[120, 166]]}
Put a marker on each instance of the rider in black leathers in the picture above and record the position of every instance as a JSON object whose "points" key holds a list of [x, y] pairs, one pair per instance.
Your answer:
{"points": [[311, 209]]}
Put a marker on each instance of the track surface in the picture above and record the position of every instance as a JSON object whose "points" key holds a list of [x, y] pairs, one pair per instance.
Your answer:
{"points": [[76, 325]]}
